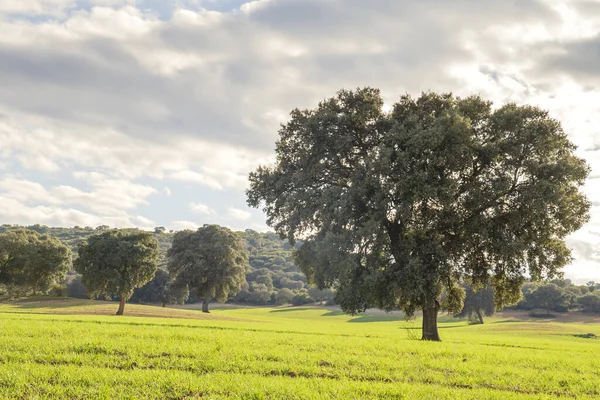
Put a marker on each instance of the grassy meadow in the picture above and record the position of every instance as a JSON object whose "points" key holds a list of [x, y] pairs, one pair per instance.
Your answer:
{"points": [[76, 349]]}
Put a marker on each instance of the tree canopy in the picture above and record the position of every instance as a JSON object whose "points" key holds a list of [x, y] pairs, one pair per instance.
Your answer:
{"points": [[212, 262], [478, 303], [397, 207], [32, 260], [115, 262]]}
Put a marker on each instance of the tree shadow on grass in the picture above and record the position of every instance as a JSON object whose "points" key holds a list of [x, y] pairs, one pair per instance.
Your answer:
{"points": [[291, 309], [60, 302]]}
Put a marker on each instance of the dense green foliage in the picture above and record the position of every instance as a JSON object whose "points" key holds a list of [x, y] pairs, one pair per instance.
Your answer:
{"points": [[561, 296], [397, 208], [261, 353], [115, 262], [267, 253], [161, 290], [32, 261], [477, 303], [212, 262]]}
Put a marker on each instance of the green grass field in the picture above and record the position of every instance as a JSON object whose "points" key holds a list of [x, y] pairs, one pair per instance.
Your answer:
{"points": [[68, 349]]}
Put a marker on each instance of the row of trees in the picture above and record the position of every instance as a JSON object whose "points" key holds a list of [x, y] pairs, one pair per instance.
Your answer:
{"points": [[558, 295], [272, 267], [561, 296], [211, 263]]}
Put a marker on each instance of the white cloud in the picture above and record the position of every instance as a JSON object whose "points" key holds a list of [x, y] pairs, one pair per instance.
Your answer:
{"points": [[238, 214], [195, 99], [15, 212], [167, 192], [202, 209], [26, 191], [36, 7], [180, 225]]}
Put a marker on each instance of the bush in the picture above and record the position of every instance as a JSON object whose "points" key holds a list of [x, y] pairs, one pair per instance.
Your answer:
{"points": [[301, 299], [58, 290], [284, 296], [75, 288]]}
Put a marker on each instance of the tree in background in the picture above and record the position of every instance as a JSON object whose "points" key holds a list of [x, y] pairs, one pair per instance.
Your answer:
{"points": [[590, 302], [396, 208], [321, 295], [30, 260], [211, 261], [284, 296], [549, 297], [116, 262], [591, 286], [477, 304], [160, 290]]}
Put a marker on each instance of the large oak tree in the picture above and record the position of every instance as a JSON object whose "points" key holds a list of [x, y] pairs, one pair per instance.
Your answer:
{"points": [[212, 262], [116, 262], [397, 208]]}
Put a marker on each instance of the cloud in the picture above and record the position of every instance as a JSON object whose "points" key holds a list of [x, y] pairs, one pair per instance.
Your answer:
{"points": [[189, 95], [238, 214], [202, 209], [36, 7], [180, 225], [13, 211]]}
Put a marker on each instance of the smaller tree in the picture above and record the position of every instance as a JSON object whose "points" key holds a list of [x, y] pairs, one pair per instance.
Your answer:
{"points": [[590, 302], [30, 260], [477, 303], [549, 297], [160, 290], [211, 261], [284, 296], [116, 262], [591, 286]]}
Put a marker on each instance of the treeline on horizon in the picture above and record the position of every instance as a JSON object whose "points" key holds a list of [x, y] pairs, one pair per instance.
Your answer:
{"points": [[275, 279]]}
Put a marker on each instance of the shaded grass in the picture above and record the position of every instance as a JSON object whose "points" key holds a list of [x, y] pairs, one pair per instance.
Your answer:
{"points": [[304, 353]]}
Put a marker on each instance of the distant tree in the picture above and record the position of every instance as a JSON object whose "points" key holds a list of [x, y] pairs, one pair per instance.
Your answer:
{"points": [[284, 296], [477, 304], [301, 299], [211, 261], [591, 286], [398, 207], [320, 295], [102, 227], [31, 260], [160, 229], [160, 290], [548, 297], [116, 262], [286, 282], [590, 302], [75, 288]]}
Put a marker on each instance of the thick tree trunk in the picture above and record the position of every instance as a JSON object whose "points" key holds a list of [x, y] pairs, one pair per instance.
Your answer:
{"points": [[430, 329], [121, 306], [205, 305], [479, 316]]}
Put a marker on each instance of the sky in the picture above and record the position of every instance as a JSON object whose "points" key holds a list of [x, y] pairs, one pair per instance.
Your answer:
{"points": [[152, 112]]}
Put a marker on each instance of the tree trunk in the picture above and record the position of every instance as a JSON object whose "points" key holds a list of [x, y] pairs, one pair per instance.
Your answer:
{"points": [[205, 305], [430, 329], [479, 316], [121, 306]]}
